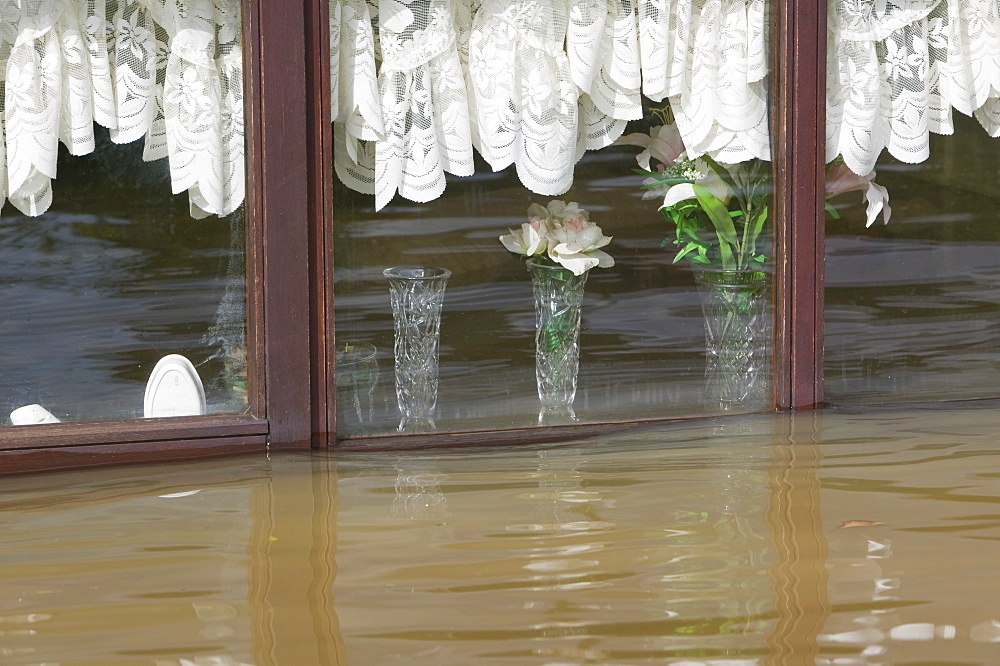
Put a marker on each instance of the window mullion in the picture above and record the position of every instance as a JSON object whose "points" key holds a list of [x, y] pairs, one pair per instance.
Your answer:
{"points": [[800, 121]]}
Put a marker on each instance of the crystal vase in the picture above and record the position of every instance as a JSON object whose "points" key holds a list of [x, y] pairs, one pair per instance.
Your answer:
{"points": [[416, 294], [736, 305], [558, 300]]}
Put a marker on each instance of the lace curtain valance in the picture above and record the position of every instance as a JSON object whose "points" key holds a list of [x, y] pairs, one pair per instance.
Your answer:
{"points": [[897, 68], [534, 83], [418, 84], [166, 71]]}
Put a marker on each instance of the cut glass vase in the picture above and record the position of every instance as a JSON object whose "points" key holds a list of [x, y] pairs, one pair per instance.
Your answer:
{"points": [[416, 294], [558, 299], [736, 306]]}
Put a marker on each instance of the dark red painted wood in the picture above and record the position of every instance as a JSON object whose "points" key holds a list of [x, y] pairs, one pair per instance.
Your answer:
{"points": [[283, 137], [799, 133], [134, 432], [324, 416], [81, 457]]}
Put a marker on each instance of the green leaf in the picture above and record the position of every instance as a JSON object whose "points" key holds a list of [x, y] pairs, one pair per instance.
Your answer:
{"points": [[722, 171], [689, 248], [832, 211], [758, 223], [723, 224]]}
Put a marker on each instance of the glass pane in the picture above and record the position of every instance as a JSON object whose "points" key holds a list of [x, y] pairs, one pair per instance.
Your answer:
{"points": [[459, 152], [122, 231], [912, 310]]}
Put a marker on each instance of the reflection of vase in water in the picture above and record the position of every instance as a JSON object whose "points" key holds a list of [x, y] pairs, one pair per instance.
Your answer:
{"points": [[736, 305], [418, 491], [558, 300], [416, 294], [357, 376]]}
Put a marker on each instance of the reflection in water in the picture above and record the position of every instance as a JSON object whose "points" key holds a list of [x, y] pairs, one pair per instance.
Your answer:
{"points": [[828, 539], [418, 491], [357, 377], [110, 280], [912, 308], [799, 574]]}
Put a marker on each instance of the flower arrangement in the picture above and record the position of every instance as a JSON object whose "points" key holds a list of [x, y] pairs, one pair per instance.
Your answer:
{"points": [[563, 234], [719, 210]]}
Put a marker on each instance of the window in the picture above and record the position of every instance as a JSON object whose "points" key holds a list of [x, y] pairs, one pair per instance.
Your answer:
{"points": [[131, 133], [454, 126], [910, 306], [392, 135], [108, 110]]}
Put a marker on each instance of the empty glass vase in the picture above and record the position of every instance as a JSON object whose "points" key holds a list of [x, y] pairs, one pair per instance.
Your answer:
{"points": [[416, 294]]}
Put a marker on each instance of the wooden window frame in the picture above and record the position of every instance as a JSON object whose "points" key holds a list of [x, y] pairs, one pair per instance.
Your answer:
{"points": [[290, 293], [278, 204], [799, 125]]}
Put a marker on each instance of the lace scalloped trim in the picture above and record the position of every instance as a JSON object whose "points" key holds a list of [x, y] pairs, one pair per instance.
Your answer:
{"points": [[894, 83], [548, 79], [164, 70], [538, 83]]}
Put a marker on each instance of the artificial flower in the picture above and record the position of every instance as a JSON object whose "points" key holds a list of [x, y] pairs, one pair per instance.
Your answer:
{"points": [[663, 142], [557, 213], [564, 234], [576, 246], [718, 210], [726, 229], [531, 239], [840, 179], [706, 177]]}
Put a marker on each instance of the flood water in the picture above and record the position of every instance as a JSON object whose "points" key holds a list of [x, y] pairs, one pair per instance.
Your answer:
{"points": [[827, 538]]}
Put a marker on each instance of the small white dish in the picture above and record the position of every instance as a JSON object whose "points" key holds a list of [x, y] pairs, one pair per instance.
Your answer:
{"points": [[32, 415], [174, 389]]}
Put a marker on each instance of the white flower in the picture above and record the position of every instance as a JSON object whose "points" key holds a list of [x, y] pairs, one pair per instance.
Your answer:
{"points": [[658, 192], [561, 213], [663, 142], [532, 238], [563, 231], [576, 246], [538, 212], [678, 193], [840, 179], [711, 181], [557, 213]]}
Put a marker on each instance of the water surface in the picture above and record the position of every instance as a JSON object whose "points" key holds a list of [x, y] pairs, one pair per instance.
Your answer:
{"points": [[814, 538]]}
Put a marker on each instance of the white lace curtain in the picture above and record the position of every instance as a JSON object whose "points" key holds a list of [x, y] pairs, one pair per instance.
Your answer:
{"points": [[534, 83], [418, 84], [897, 69], [166, 71]]}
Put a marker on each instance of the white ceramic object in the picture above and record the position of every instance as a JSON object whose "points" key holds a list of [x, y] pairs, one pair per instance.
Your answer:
{"points": [[32, 415], [174, 389]]}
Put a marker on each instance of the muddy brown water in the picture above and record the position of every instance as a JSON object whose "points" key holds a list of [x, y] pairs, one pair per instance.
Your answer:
{"points": [[826, 538]]}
